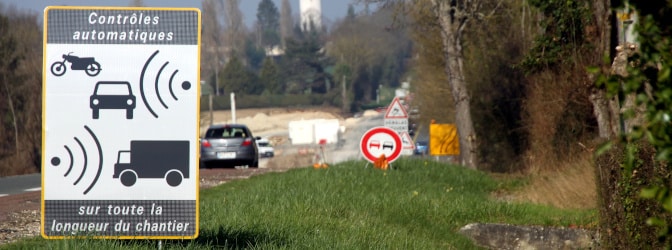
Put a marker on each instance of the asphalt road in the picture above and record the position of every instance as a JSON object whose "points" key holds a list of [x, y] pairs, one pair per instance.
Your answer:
{"points": [[20, 184]]}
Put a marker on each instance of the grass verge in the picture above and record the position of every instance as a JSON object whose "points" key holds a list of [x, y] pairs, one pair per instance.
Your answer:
{"points": [[418, 205]]}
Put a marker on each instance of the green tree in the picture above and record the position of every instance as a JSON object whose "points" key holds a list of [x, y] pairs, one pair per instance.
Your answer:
{"points": [[305, 63], [646, 145], [351, 13], [563, 33], [268, 24], [238, 79], [271, 77], [255, 55]]}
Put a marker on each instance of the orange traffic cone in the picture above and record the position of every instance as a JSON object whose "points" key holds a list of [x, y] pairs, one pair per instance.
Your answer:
{"points": [[381, 162]]}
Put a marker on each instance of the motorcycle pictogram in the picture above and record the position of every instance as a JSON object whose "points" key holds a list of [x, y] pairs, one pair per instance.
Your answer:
{"points": [[87, 64]]}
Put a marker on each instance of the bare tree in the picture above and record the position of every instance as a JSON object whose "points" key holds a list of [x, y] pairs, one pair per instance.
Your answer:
{"points": [[137, 3], [429, 64], [285, 22], [351, 45], [20, 90], [234, 28], [367, 46], [453, 18], [212, 50]]}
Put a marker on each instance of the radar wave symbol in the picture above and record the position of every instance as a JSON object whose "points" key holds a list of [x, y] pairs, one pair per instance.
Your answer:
{"points": [[186, 85], [55, 161]]}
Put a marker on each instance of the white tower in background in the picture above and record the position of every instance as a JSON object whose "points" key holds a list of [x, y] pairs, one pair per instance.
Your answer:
{"points": [[311, 11]]}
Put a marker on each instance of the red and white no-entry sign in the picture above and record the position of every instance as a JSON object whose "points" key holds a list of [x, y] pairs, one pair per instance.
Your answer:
{"points": [[380, 141]]}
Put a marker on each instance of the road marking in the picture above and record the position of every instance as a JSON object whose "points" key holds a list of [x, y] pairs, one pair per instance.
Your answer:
{"points": [[1, 195], [33, 189]]}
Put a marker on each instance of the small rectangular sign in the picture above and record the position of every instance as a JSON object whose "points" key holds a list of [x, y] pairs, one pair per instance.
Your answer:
{"points": [[443, 139], [120, 122]]}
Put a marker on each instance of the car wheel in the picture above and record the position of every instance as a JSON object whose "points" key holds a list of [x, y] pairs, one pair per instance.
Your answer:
{"points": [[96, 113], [254, 164], [207, 164], [129, 114]]}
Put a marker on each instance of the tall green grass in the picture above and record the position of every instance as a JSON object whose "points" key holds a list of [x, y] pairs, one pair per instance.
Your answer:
{"points": [[417, 205]]}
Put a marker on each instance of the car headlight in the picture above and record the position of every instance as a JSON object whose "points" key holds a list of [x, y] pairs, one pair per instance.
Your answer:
{"points": [[95, 101], [129, 102]]}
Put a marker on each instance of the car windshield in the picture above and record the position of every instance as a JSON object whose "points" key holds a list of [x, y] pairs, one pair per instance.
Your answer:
{"points": [[226, 132], [263, 144], [112, 89]]}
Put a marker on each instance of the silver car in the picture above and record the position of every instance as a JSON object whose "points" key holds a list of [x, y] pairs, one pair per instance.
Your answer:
{"points": [[229, 145]]}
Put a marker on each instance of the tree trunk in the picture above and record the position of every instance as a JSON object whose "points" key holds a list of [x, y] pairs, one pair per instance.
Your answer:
{"points": [[451, 31], [16, 127], [606, 110], [607, 126]]}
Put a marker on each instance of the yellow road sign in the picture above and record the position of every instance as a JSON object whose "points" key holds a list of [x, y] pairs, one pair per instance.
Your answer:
{"points": [[443, 139]]}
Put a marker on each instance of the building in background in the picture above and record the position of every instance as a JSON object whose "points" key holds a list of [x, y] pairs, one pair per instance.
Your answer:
{"points": [[311, 12]]}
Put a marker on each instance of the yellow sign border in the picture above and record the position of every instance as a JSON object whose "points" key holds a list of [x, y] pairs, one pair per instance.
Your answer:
{"points": [[198, 118]]}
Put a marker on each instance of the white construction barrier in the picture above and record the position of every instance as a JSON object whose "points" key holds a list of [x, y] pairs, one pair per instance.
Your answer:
{"points": [[312, 131]]}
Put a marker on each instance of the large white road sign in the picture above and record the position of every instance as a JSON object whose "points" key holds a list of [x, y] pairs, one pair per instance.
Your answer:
{"points": [[120, 122]]}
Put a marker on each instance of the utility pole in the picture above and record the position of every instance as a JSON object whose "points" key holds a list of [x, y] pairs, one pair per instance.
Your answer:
{"points": [[216, 73], [344, 95]]}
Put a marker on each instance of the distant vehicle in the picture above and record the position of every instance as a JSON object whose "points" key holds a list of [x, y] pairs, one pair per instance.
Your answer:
{"points": [[421, 148], [265, 148], [112, 95], [167, 160], [229, 145], [381, 109]]}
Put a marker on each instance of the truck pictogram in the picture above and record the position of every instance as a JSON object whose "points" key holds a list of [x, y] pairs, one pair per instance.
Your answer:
{"points": [[153, 159]]}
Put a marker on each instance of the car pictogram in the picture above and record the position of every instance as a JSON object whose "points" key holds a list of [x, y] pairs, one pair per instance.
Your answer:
{"points": [[112, 95], [374, 143], [388, 144]]}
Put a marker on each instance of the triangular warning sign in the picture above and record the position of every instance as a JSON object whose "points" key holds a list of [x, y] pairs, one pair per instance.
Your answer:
{"points": [[396, 110], [406, 140]]}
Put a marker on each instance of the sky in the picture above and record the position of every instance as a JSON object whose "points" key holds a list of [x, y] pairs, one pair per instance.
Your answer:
{"points": [[332, 10]]}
